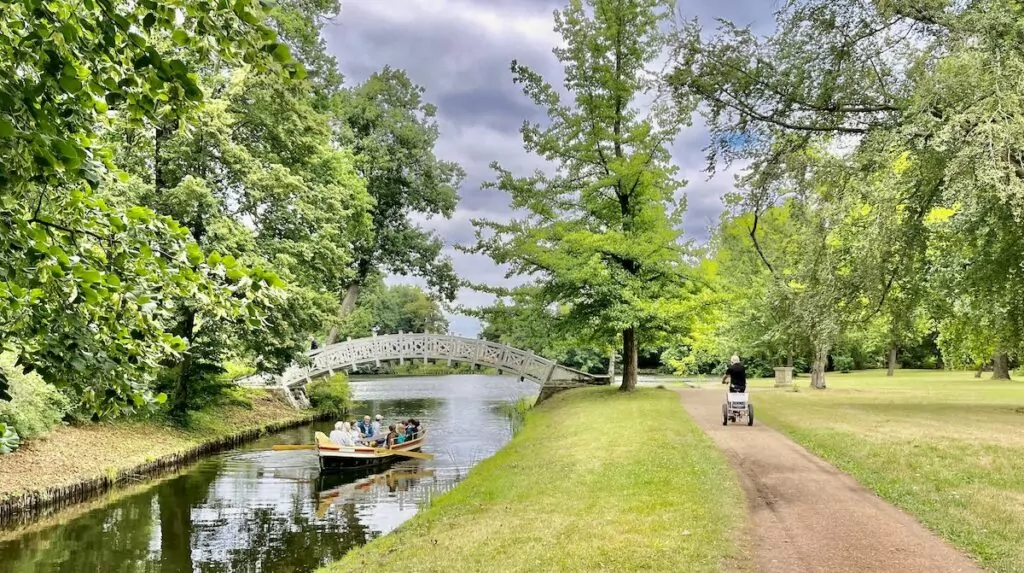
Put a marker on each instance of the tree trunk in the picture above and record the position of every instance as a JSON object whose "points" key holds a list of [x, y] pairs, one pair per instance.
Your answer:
{"points": [[347, 304], [789, 359], [611, 364], [630, 360], [892, 362], [981, 368], [179, 405], [818, 368], [1000, 366]]}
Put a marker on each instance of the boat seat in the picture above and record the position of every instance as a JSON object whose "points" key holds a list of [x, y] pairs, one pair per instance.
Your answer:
{"points": [[325, 443]]}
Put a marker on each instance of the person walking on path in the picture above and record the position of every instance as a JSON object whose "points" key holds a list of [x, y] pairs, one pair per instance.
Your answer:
{"points": [[736, 374]]}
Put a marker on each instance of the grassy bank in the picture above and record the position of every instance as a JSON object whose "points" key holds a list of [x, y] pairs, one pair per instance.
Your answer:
{"points": [[79, 460], [573, 492], [946, 447]]}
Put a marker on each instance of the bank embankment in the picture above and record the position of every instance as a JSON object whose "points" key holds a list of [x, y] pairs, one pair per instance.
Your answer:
{"points": [[75, 462], [596, 480]]}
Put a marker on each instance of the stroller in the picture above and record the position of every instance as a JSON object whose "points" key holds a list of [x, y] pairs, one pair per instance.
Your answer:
{"points": [[737, 407]]}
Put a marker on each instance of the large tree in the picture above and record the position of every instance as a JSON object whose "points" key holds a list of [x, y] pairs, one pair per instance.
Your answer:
{"points": [[84, 285], [260, 181], [388, 309], [920, 99], [392, 131], [601, 235]]}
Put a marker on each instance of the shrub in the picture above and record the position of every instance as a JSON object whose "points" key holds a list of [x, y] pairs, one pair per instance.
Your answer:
{"points": [[844, 364], [418, 368], [759, 366], [36, 407], [9, 440], [237, 396], [515, 411], [234, 369], [331, 395]]}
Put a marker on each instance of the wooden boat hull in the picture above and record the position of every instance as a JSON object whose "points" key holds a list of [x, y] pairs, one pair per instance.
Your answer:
{"points": [[340, 458]]}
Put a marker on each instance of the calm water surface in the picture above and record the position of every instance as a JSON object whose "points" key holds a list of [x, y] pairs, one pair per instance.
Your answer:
{"points": [[251, 509]]}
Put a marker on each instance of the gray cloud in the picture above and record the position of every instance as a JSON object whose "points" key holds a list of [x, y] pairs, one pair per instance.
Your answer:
{"points": [[460, 51]]}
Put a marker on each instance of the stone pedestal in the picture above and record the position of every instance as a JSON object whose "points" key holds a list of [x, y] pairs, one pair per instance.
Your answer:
{"points": [[783, 376]]}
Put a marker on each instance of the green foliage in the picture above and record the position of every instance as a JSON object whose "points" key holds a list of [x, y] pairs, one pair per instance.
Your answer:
{"points": [[393, 308], [87, 285], [392, 131], [260, 178], [691, 361], [844, 364], [548, 333], [78, 61], [601, 234], [516, 410], [420, 369], [36, 407], [916, 210], [234, 370], [9, 440], [236, 396], [331, 395]]}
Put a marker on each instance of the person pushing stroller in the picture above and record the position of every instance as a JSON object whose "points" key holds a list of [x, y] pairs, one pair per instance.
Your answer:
{"points": [[736, 407], [736, 375]]}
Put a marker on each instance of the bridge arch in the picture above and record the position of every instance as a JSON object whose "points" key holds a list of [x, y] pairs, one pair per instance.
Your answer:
{"points": [[350, 354]]}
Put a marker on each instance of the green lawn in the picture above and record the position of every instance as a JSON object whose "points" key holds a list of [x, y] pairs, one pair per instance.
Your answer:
{"points": [[946, 447], [572, 492]]}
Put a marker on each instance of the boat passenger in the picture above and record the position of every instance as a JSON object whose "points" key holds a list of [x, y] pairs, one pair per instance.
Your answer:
{"points": [[365, 427], [342, 434], [336, 432], [378, 430], [389, 441], [400, 433], [410, 430]]}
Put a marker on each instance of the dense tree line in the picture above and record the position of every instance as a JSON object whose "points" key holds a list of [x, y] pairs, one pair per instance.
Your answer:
{"points": [[877, 218], [183, 185], [389, 309], [885, 174]]}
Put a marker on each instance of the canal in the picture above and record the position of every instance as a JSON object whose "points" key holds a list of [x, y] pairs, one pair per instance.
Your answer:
{"points": [[252, 509]]}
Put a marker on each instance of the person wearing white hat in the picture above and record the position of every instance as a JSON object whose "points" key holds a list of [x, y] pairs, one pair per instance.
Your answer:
{"points": [[736, 375]]}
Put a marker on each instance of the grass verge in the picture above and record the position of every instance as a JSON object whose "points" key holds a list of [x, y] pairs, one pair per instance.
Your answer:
{"points": [[945, 447], [71, 456], [573, 492]]}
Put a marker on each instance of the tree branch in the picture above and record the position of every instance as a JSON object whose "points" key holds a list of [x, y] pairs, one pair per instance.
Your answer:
{"points": [[757, 244], [67, 230]]}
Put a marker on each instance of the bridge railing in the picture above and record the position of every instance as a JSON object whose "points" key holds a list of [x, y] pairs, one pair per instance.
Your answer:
{"points": [[401, 347]]}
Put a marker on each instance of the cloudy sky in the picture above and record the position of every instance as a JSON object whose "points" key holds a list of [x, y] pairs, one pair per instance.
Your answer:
{"points": [[460, 51]]}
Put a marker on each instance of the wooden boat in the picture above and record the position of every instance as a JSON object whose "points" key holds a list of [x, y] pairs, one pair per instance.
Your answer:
{"points": [[335, 457]]}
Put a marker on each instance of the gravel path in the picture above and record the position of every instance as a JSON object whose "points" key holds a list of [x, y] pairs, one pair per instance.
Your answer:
{"points": [[807, 516]]}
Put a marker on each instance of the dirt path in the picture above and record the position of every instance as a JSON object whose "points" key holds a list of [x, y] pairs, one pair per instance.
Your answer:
{"points": [[806, 516]]}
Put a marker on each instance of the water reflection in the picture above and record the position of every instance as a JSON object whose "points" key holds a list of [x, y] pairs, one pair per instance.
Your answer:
{"points": [[256, 510]]}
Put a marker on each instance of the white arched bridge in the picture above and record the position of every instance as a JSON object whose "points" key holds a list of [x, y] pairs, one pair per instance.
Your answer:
{"points": [[349, 355]]}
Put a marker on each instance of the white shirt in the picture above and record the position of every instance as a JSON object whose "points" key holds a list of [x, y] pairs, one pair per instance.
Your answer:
{"points": [[376, 428], [342, 438]]}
